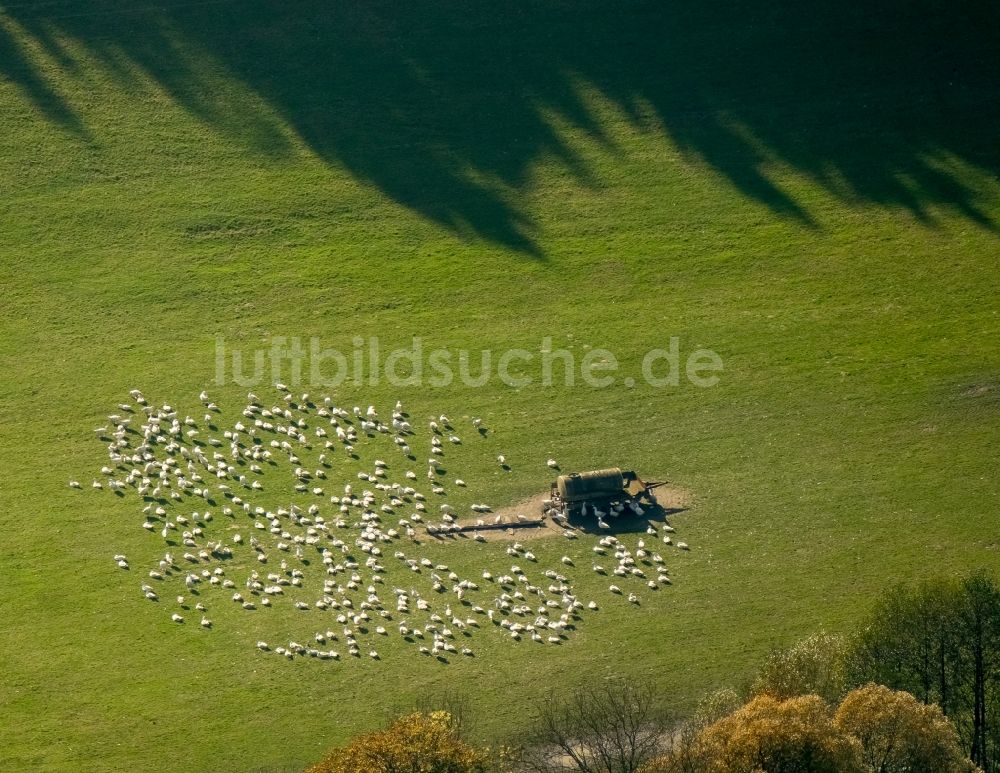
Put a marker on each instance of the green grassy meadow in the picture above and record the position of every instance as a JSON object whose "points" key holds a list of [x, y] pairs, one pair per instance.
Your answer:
{"points": [[809, 191]]}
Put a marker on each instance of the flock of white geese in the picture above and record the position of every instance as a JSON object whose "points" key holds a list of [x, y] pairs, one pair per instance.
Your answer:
{"points": [[346, 547]]}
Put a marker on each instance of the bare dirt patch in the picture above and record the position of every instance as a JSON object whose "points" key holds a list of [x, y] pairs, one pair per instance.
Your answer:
{"points": [[670, 500], [530, 508]]}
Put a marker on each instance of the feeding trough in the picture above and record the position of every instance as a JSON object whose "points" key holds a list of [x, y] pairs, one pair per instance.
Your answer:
{"points": [[599, 493]]}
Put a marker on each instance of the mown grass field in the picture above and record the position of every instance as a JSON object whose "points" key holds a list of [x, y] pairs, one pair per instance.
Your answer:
{"points": [[810, 192]]}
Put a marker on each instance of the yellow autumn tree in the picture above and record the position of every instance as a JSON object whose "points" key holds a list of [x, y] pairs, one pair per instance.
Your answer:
{"points": [[792, 736], [899, 734], [416, 743]]}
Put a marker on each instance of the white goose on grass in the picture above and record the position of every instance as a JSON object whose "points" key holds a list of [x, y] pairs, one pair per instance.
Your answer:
{"points": [[163, 460]]}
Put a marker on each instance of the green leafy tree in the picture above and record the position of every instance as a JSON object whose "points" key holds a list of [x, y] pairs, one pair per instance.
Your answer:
{"points": [[911, 641], [980, 626], [813, 666], [940, 640]]}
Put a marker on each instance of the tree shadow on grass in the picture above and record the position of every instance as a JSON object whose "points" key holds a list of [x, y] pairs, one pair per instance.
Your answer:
{"points": [[446, 107]]}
